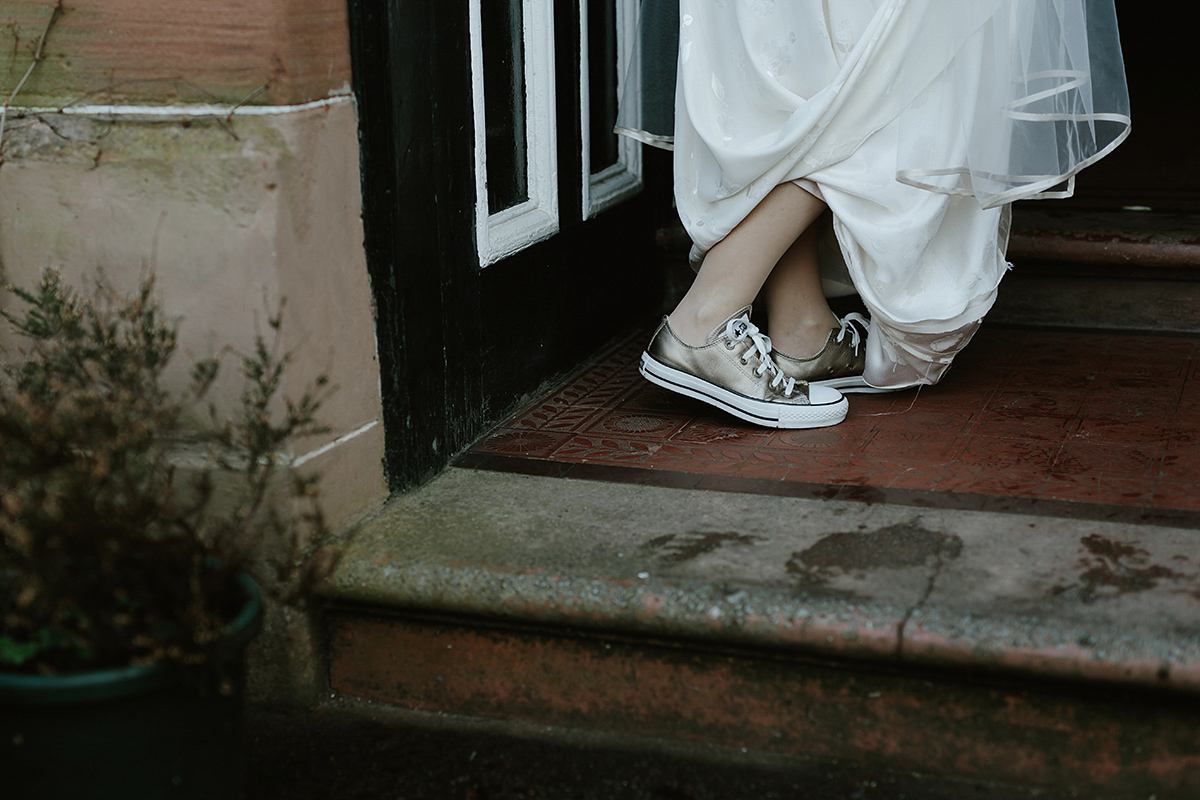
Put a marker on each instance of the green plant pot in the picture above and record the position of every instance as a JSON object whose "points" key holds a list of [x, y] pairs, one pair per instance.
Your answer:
{"points": [[137, 732]]}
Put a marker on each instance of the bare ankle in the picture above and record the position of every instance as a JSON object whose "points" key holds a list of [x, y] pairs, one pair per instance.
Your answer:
{"points": [[689, 330], [802, 341], [694, 324]]}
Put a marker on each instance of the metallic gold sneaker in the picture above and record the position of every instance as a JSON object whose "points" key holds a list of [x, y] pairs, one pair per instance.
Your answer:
{"points": [[839, 364], [733, 371]]}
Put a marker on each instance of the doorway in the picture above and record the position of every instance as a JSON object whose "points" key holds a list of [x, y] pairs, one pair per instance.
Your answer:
{"points": [[508, 234]]}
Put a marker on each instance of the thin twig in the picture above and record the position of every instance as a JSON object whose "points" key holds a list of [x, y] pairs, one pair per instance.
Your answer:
{"points": [[38, 55], [247, 99]]}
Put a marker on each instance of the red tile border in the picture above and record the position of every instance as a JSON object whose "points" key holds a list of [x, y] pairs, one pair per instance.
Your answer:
{"points": [[1177, 516]]}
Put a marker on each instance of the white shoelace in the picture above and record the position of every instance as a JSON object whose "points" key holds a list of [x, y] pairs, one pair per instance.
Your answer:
{"points": [[856, 338], [740, 329]]}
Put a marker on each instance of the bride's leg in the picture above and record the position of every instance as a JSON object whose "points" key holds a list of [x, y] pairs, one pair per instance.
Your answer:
{"points": [[735, 269], [799, 318]]}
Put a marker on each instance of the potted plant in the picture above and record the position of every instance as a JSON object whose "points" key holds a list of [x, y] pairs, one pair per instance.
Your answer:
{"points": [[127, 578]]}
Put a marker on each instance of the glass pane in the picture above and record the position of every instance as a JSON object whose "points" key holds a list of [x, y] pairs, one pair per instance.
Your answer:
{"points": [[504, 103], [602, 79]]}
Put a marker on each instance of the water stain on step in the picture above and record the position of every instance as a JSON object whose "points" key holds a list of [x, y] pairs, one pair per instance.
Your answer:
{"points": [[1111, 568], [674, 548], [900, 546]]}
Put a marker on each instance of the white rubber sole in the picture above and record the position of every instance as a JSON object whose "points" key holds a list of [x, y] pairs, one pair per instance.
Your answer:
{"points": [[854, 384], [826, 405]]}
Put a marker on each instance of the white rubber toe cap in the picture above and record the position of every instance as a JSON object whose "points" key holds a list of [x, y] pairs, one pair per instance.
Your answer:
{"points": [[823, 395]]}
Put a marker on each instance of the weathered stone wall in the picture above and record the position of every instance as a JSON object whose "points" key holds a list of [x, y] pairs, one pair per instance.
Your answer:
{"points": [[163, 51], [123, 152]]}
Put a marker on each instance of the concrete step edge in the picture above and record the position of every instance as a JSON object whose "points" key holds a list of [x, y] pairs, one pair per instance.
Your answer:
{"points": [[509, 548]]}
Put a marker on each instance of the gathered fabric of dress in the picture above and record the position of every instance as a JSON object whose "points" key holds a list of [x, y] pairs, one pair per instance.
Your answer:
{"points": [[916, 121]]}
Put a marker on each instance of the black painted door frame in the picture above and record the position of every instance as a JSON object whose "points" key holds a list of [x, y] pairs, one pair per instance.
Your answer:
{"points": [[459, 345]]}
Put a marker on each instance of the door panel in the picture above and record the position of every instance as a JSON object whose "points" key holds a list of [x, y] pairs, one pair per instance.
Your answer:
{"points": [[460, 343], [515, 127]]}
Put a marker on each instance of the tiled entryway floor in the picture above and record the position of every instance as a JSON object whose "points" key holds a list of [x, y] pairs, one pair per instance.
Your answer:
{"points": [[1103, 421]]}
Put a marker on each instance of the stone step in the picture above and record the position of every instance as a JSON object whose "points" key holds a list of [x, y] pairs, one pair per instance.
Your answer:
{"points": [[1133, 242], [1074, 268], [1028, 649]]}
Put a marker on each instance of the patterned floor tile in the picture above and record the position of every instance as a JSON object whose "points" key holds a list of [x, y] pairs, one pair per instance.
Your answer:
{"points": [[812, 469], [1037, 402], [645, 396], [917, 475], [919, 420], [1170, 493], [984, 480], [718, 458], [601, 450], [1095, 418], [1140, 347], [844, 438], [911, 444], [1132, 399], [633, 424], [1110, 432], [1023, 426], [1182, 464], [891, 471], [517, 442], [1094, 488], [1002, 455], [711, 430], [1024, 380], [553, 417], [1119, 459]]}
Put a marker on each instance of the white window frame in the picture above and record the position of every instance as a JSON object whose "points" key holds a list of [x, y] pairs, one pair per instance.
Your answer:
{"points": [[509, 230], [621, 180]]}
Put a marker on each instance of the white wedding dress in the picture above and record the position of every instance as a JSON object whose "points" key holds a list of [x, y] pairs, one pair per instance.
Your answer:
{"points": [[916, 121]]}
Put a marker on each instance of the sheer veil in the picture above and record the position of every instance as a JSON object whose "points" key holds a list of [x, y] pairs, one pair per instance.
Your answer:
{"points": [[1037, 86]]}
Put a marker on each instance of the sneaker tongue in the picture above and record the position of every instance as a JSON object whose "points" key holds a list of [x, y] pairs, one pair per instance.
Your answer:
{"points": [[742, 317]]}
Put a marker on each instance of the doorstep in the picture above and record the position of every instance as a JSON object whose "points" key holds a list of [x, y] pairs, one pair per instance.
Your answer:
{"points": [[984, 581], [1025, 594]]}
